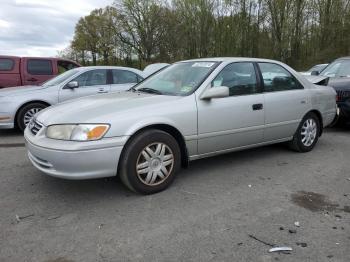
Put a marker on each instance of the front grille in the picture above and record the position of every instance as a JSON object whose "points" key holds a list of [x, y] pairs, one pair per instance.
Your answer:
{"points": [[35, 126], [342, 95]]}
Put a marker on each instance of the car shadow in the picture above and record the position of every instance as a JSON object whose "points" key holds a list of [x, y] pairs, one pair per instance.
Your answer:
{"points": [[85, 190], [10, 132], [339, 128]]}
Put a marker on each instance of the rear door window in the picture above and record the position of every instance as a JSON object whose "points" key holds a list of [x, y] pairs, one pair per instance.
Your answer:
{"points": [[276, 78], [124, 77], [6, 64], [39, 67]]}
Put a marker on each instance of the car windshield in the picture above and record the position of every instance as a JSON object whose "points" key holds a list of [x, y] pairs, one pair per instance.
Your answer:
{"points": [[339, 68], [61, 78], [179, 79]]}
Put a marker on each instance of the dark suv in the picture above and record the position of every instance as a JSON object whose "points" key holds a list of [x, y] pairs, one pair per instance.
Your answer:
{"points": [[339, 78]]}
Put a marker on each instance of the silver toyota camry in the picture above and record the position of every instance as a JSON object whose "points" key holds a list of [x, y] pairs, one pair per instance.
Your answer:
{"points": [[190, 110], [18, 105]]}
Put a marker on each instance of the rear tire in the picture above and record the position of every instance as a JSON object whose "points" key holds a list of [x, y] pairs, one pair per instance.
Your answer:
{"points": [[307, 134], [150, 162], [27, 112]]}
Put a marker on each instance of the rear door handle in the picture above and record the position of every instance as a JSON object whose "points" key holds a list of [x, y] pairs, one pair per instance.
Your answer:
{"points": [[257, 107], [32, 79]]}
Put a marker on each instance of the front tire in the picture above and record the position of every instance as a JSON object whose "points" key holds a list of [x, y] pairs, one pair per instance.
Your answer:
{"points": [[150, 162], [307, 134], [26, 113]]}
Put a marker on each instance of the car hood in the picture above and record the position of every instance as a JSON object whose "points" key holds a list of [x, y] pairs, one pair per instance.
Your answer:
{"points": [[103, 108], [19, 90]]}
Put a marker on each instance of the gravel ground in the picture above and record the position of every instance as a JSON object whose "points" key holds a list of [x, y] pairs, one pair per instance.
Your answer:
{"points": [[219, 209]]}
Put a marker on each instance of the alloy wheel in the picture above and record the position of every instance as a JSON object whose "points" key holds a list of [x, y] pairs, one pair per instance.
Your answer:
{"points": [[28, 116], [308, 132]]}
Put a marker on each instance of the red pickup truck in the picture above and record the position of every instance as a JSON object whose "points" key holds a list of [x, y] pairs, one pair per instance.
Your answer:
{"points": [[20, 71]]}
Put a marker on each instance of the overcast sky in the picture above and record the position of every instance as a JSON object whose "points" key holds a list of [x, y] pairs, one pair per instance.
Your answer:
{"points": [[40, 27]]}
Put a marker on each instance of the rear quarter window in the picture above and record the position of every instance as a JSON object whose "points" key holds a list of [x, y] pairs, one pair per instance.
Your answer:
{"points": [[39, 67], [6, 64]]}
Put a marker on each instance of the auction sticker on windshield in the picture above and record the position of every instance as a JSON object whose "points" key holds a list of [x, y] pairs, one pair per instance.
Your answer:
{"points": [[203, 64]]}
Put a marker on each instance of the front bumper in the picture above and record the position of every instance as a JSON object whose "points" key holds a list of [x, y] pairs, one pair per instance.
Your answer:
{"points": [[74, 160]]}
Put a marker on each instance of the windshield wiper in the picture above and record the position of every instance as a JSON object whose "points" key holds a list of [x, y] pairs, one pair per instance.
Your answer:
{"points": [[149, 90], [132, 89]]}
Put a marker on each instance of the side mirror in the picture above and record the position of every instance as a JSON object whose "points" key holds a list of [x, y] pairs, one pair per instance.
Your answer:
{"points": [[315, 73], [72, 85], [216, 92]]}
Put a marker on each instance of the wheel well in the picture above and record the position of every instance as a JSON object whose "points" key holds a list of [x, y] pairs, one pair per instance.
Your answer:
{"points": [[28, 103], [174, 133], [319, 116]]}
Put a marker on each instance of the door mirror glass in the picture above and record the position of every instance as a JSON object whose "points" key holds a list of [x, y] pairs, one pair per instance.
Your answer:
{"points": [[315, 73], [216, 92], [72, 85]]}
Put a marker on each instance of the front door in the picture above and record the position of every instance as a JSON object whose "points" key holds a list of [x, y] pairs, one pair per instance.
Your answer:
{"points": [[235, 121], [90, 83]]}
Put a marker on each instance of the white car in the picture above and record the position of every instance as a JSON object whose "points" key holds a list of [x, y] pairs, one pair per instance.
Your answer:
{"points": [[18, 105]]}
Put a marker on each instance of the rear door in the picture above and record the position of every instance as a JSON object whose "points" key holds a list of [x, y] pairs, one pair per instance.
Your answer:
{"points": [[123, 79], [90, 83], [35, 71], [286, 101]]}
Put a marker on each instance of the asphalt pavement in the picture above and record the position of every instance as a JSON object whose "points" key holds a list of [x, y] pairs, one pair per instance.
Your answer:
{"points": [[231, 207]]}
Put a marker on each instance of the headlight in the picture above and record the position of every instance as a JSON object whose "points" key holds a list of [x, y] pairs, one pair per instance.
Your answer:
{"points": [[77, 132]]}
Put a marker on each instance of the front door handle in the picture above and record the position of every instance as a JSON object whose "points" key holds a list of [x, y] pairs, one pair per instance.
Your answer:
{"points": [[32, 79], [257, 107]]}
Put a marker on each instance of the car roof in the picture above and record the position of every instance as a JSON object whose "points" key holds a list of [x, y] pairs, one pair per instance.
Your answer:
{"points": [[112, 67], [231, 59], [343, 58]]}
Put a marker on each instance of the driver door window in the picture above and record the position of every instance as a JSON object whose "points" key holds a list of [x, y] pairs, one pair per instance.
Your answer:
{"points": [[240, 78], [64, 66], [92, 78]]}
